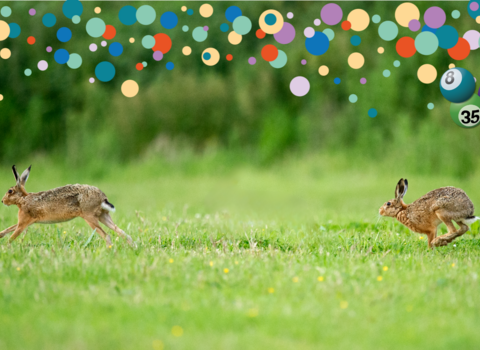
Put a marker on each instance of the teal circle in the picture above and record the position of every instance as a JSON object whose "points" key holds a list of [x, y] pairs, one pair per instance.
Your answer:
{"points": [[376, 19], [329, 33], [455, 14], [388, 30], [75, 61], [76, 19], [28, 72], [145, 63], [426, 43], [386, 73], [148, 41], [242, 25], [353, 98], [96, 27], [6, 11], [270, 19], [199, 34], [146, 15], [105, 71], [396, 63], [185, 28], [280, 61], [430, 105]]}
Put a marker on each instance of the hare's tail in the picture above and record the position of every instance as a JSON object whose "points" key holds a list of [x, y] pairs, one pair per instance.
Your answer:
{"points": [[108, 206], [470, 220]]}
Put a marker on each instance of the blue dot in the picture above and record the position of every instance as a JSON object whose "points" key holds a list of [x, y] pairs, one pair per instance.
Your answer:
{"points": [[49, 20], [61, 56], [14, 30], [426, 28], [224, 27], [318, 44], [170, 65], [128, 15], [372, 112], [337, 81], [447, 37], [270, 19], [64, 34], [355, 40], [232, 12], [206, 56], [105, 71], [189, 12], [115, 49], [72, 8], [169, 20]]}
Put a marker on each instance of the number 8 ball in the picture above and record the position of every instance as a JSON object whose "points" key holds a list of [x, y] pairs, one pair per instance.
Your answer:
{"points": [[457, 85]]}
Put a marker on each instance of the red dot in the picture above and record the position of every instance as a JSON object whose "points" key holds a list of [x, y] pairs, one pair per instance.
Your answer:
{"points": [[229, 57], [406, 47], [260, 34], [461, 50], [110, 32], [139, 66], [269, 53], [346, 25], [163, 43], [31, 40]]}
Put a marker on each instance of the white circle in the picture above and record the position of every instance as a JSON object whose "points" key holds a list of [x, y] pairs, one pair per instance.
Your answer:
{"points": [[449, 81], [469, 116]]}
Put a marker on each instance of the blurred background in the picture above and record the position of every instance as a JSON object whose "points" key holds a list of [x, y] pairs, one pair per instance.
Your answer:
{"points": [[215, 120]]}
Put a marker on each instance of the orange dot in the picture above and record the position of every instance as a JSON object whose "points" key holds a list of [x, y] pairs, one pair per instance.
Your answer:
{"points": [[269, 53], [461, 50], [406, 47], [260, 34], [163, 43], [346, 25], [139, 66], [110, 32], [229, 57], [31, 40]]}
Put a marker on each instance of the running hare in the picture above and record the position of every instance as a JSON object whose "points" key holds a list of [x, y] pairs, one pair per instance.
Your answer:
{"points": [[59, 205], [445, 204]]}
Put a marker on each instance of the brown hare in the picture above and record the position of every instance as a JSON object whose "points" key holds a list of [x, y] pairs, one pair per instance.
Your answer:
{"points": [[59, 205], [445, 205]]}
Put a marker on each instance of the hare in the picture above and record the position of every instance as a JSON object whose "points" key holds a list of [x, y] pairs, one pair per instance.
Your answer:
{"points": [[445, 205], [59, 205]]}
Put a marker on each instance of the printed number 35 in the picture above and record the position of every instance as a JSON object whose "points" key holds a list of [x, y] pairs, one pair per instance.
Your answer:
{"points": [[473, 118]]}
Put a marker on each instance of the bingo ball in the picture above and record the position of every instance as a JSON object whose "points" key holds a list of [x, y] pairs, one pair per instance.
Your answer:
{"points": [[466, 114], [457, 85]]}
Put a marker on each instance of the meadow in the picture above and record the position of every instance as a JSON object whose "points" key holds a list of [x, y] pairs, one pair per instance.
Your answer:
{"points": [[289, 256]]}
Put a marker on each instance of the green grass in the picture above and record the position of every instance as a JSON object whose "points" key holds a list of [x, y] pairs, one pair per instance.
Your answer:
{"points": [[275, 230]]}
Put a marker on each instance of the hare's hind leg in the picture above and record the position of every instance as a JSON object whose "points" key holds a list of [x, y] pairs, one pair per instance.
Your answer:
{"points": [[8, 230], [106, 219], [93, 222], [452, 231]]}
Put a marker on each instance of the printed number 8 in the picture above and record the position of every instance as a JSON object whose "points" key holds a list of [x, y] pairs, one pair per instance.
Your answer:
{"points": [[450, 78], [473, 119]]}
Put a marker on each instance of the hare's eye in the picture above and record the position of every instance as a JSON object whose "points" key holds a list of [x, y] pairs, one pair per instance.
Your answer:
{"points": [[388, 203], [10, 191]]}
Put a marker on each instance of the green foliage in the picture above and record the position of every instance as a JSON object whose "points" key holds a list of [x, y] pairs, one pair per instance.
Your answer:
{"points": [[246, 110]]}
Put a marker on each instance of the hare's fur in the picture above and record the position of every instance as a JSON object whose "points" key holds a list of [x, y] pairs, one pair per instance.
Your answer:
{"points": [[59, 205], [446, 204]]}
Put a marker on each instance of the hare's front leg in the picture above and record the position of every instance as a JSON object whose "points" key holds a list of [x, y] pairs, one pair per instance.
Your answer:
{"points": [[22, 225], [106, 219], [8, 230]]}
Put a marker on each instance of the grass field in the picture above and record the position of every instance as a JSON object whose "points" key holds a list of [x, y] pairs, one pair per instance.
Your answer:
{"points": [[289, 257]]}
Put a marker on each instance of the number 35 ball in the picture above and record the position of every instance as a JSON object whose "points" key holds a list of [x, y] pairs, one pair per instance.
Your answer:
{"points": [[457, 85]]}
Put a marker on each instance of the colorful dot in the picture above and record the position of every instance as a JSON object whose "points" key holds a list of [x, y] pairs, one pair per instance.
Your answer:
{"points": [[353, 98], [396, 63], [355, 40], [42, 65], [317, 22], [304, 62], [130, 88], [363, 81], [224, 27], [185, 28], [386, 73], [290, 15], [299, 86], [91, 80], [170, 65], [28, 72], [337, 80], [32, 12], [323, 70], [187, 50], [49, 49], [97, 10], [31, 40], [456, 14], [380, 50], [252, 60], [372, 112], [158, 55], [6, 11], [93, 47], [229, 57]]}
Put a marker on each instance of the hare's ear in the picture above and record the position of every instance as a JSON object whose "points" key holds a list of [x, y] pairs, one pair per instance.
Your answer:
{"points": [[15, 173], [401, 189], [25, 175]]}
